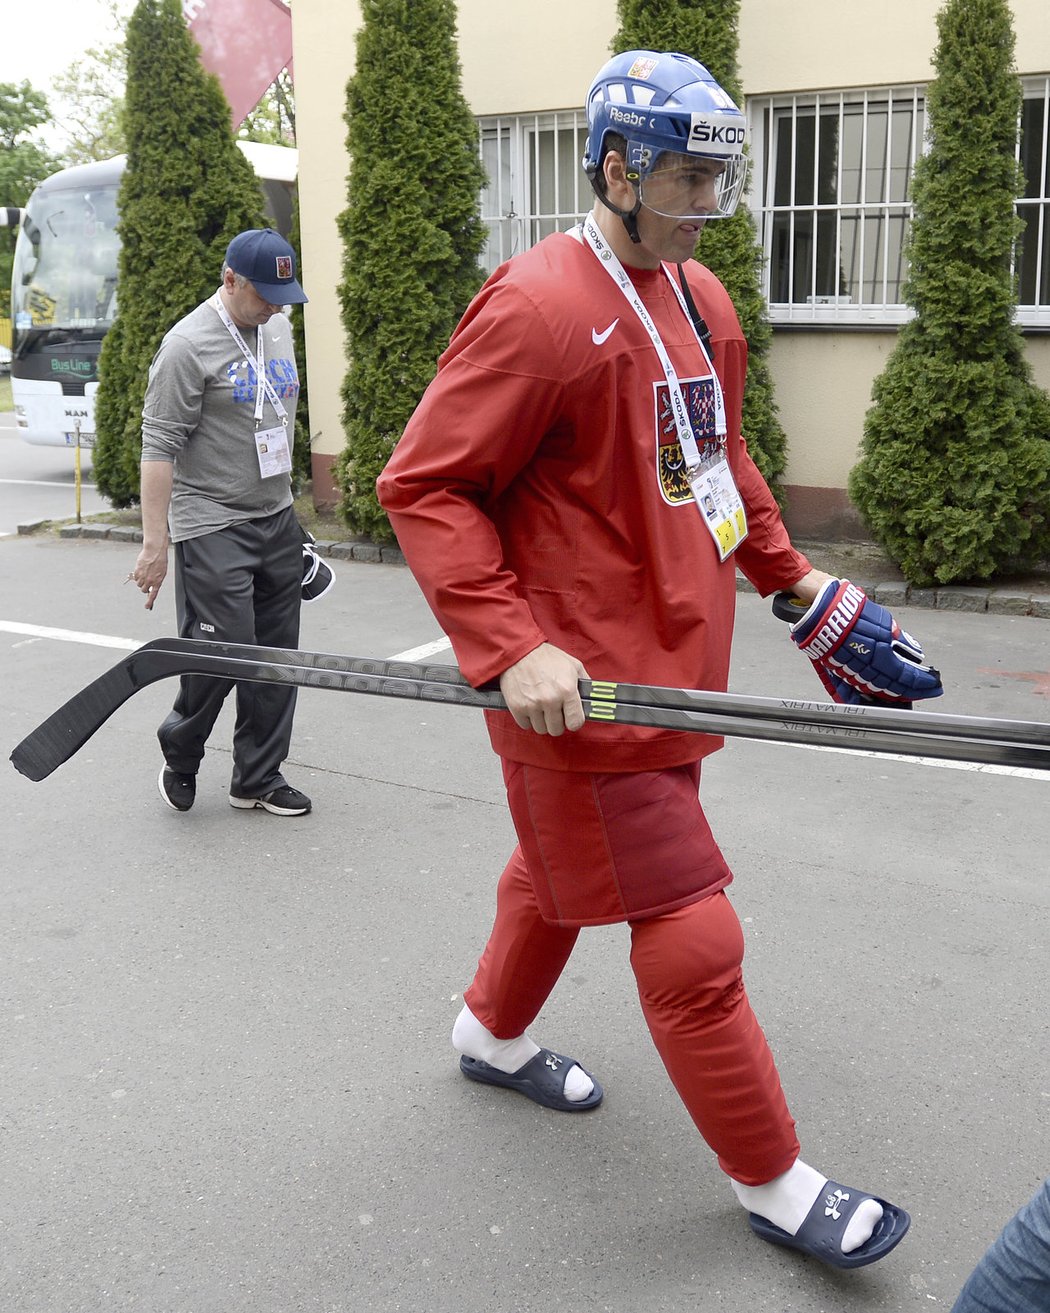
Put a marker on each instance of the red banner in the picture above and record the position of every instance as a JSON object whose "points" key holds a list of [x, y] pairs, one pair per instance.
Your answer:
{"points": [[245, 43]]}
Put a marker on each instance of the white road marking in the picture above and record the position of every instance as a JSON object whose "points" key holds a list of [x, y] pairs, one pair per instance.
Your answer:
{"points": [[46, 483], [69, 635], [427, 649], [441, 644], [129, 644], [982, 768]]}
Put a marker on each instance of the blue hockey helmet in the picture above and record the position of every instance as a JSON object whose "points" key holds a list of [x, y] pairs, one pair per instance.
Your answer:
{"points": [[666, 104]]}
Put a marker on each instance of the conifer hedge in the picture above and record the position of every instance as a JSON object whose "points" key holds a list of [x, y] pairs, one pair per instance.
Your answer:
{"points": [[412, 233], [302, 462], [186, 191], [707, 31], [954, 476]]}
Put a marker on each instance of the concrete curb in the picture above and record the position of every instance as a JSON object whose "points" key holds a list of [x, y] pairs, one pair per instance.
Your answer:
{"points": [[891, 593], [896, 593], [375, 553]]}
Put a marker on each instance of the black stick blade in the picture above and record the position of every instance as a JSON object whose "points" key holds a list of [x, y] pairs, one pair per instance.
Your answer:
{"points": [[66, 730]]}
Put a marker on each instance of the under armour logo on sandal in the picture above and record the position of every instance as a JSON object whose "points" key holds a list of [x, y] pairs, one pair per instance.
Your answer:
{"points": [[832, 1203], [552, 1061]]}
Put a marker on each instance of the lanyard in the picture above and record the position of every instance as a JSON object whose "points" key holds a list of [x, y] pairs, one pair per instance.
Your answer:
{"points": [[608, 259], [263, 384]]}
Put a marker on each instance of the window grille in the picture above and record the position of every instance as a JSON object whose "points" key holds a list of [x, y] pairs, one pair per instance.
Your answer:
{"points": [[834, 173], [831, 190], [536, 184]]}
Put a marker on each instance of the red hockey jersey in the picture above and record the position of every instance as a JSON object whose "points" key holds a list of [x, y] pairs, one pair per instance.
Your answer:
{"points": [[538, 494]]}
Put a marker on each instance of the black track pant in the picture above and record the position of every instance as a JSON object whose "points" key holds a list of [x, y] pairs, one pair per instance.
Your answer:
{"points": [[238, 585]]}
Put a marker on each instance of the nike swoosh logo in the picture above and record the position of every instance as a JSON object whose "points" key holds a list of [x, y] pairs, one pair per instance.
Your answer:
{"points": [[598, 338]]}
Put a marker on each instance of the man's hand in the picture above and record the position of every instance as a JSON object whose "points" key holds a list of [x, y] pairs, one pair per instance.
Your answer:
{"points": [[541, 690], [151, 569]]}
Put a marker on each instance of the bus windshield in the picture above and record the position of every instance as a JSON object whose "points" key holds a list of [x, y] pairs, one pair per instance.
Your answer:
{"points": [[65, 272], [64, 288]]}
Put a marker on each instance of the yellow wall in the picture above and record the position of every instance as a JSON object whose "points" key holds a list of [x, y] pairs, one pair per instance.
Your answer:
{"points": [[523, 55], [548, 59], [792, 45], [823, 391], [323, 51]]}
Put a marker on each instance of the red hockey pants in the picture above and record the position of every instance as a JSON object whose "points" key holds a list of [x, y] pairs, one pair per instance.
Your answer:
{"points": [[687, 964]]}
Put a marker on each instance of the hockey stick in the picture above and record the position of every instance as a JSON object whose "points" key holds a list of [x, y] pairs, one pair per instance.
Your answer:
{"points": [[1012, 743], [609, 700]]}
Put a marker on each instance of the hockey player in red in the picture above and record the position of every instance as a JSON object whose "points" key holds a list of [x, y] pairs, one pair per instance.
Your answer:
{"points": [[574, 495]]}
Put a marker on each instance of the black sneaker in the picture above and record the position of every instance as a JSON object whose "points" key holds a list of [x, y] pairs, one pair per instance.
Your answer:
{"points": [[177, 790], [284, 801]]}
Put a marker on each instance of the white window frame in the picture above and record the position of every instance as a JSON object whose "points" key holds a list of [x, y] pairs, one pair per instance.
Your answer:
{"points": [[512, 152], [1036, 208]]}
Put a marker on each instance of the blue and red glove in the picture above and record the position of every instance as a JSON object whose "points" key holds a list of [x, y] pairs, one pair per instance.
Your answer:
{"points": [[860, 652]]}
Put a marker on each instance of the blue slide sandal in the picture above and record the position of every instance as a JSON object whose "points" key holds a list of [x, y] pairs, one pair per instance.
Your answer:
{"points": [[541, 1079], [821, 1233]]}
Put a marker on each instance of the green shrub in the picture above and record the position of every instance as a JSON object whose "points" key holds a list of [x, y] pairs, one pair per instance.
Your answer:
{"points": [[954, 476], [411, 231], [302, 463]]}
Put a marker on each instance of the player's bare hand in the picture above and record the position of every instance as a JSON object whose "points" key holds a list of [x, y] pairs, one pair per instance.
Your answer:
{"points": [[542, 690], [150, 571]]}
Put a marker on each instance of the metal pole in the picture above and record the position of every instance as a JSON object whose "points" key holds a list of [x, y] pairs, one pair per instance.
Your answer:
{"points": [[77, 464]]}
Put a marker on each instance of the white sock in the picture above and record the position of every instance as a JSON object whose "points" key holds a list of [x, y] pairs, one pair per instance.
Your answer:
{"points": [[787, 1199], [469, 1036]]}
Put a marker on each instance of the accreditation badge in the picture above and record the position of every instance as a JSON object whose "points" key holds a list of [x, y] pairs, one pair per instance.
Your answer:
{"points": [[720, 504], [271, 446]]}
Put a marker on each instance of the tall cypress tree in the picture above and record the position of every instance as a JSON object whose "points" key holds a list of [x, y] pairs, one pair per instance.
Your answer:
{"points": [[707, 30], [186, 191], [954, 477], [412, 231], [302, 461]]}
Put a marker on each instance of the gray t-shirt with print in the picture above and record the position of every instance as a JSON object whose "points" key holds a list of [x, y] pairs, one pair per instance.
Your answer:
{"points": [[199, 413]]}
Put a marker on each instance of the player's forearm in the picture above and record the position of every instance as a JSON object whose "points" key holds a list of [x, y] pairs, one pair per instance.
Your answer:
{"points": [[155, 497]]}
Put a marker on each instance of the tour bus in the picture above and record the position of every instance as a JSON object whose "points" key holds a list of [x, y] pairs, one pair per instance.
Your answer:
{"points": [[64, 284]]}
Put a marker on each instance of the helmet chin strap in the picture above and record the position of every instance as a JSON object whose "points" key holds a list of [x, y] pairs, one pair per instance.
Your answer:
{"points": [[629, 218]]}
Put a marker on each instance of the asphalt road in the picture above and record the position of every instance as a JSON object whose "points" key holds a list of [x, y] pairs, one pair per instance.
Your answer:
{"points": [[39, 483], [226, 1083]]}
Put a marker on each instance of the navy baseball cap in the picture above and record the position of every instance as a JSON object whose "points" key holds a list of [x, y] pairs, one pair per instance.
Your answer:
{"points": [[268, 262]]}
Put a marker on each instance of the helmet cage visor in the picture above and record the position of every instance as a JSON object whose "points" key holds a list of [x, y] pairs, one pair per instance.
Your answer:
{"points": [[686, 185]]}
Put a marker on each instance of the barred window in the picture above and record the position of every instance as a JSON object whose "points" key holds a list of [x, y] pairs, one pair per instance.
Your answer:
{"points": [[536, 185], [831, 189], [833, 173]]}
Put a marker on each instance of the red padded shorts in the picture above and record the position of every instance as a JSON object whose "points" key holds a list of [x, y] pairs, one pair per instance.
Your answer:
{"points": [[616, 847]]}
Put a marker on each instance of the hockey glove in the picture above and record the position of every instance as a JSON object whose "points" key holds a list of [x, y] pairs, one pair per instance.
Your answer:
{"points": [[860, 652]]}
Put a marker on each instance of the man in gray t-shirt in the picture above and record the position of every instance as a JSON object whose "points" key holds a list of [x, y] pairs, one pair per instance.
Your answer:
{"points": [[217, 430]]}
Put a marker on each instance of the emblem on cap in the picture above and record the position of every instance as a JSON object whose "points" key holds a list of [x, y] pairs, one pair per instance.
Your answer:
{"points": [[284, 266]]}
